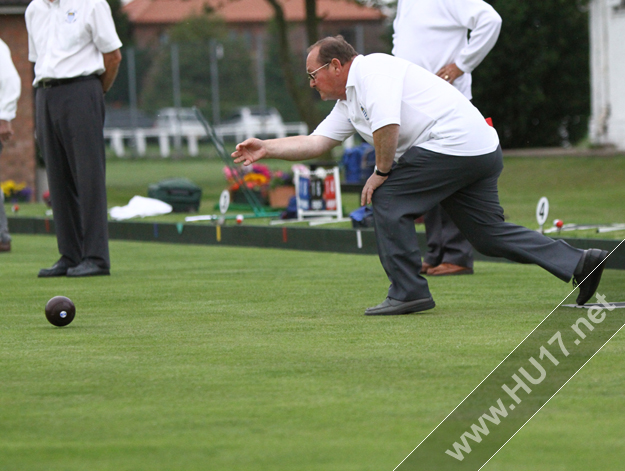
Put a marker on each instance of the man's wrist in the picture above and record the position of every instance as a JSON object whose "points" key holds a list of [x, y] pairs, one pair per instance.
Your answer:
{"points": [[380, 173]]}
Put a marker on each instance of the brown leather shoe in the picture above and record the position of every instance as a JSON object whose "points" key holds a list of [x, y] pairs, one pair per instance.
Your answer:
{"points": [[445, 269], [5, 246], [425, 267]]}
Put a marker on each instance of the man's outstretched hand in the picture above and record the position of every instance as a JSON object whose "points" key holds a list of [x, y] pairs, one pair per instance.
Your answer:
{"points": [[249, 151]]}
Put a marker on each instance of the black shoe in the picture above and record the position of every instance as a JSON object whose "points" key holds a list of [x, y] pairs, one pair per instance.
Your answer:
{"points": [[58, 269], [594, 259], [87, 268], [391, 307]]}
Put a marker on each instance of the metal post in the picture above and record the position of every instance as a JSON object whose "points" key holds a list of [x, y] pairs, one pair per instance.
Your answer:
{"points": [[132, 93], [175, 74], [360, 38], [216, 52], [260, 73]]}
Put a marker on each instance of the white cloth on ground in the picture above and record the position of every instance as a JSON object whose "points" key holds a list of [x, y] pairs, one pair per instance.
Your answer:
{"points": [[140, 206]]}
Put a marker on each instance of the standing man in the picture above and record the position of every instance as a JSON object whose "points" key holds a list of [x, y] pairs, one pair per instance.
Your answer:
{"points": [[75, 48], [10, 89], [432, 146], [434, 34]]}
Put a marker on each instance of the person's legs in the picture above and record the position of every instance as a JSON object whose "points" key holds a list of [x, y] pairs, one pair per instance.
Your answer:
{"points": [[4, 224], [414, 187], [433, 235], [63, 192], [446, 244], [82, 138], [476, 211], [397, 243], [467, 189], [5, 237], [457, 250]]}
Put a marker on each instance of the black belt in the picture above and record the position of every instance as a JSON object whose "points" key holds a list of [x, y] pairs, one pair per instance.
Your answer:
{"points": [[49, 83]]}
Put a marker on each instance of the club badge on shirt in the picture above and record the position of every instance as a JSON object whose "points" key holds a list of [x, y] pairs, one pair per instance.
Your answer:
{"points": [[364, 112], [71, 16]]}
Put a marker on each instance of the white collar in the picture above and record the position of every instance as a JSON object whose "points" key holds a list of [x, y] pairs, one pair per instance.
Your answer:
{"points": [[350, 75]]}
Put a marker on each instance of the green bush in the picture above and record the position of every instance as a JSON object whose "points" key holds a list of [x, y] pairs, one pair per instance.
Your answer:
{"points": [[535, 81]]}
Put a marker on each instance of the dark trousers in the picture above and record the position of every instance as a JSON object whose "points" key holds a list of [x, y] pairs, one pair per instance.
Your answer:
{"points": [[70, 122], [446, 244], [4, 225], [466, 187]]}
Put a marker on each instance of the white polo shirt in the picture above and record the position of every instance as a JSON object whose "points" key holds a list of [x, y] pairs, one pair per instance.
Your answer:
{"points": [[66, 38], [432, 114], [433, 34], [10, 84]]}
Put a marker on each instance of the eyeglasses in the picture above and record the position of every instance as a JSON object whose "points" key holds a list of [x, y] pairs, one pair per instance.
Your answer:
{"points": [[313, 75]]}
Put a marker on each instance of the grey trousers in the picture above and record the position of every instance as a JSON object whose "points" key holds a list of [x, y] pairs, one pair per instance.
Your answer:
{"points": [[70, 122], [4, 224], [466, 187], [446, 244]]}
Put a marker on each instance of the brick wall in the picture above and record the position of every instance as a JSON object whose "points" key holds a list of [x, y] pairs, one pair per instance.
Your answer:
{"points": [[17, 161]]}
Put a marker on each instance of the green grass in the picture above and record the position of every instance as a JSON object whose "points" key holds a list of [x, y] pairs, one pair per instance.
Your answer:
{"points": [[580, 190], [217, 358]]}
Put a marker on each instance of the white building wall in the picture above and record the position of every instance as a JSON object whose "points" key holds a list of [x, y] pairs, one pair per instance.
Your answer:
{"points": [[607, 72]]}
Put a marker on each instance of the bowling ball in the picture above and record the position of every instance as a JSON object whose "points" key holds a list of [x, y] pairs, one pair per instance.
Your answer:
{"points": [[60, 311]]}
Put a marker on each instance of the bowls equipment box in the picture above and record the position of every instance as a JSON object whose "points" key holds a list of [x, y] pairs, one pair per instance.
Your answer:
{"points": [[183, 195]]}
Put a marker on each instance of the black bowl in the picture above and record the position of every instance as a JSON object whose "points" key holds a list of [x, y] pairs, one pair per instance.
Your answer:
{"points": [[60, 311]]}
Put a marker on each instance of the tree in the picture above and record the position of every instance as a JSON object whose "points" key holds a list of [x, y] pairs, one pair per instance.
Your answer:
{"points": [[312, 21], [119, 91], [305, 102], [122, 23], [301, 95], [534, 83]]}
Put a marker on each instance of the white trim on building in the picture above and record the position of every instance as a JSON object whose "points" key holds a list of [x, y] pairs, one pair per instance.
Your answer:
{"points": [[607, 69]]}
